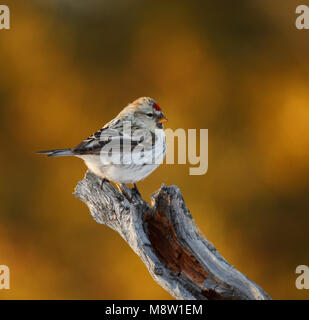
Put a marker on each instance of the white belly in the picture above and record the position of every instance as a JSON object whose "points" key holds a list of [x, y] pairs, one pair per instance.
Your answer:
{"points": [[127, 173]]}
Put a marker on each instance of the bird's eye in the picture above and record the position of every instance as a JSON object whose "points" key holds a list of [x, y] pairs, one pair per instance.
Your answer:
{"points": [[150, 115]]}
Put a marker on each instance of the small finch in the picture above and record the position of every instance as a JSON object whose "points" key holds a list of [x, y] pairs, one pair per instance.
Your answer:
{"points": [[128, 148]]}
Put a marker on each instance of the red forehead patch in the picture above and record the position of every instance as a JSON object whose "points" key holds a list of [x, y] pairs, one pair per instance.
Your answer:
{"points": [[156, 106]]}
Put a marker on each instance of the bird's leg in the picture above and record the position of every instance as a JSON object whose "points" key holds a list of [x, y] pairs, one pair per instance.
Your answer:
{"points": [[125, 191], [128, 192], [135, 189], [102, 182]]}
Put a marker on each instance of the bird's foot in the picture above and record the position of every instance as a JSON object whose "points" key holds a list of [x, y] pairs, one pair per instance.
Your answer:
{"points": [[130, 194], [125, 191], [135, 189], [102, 182]]}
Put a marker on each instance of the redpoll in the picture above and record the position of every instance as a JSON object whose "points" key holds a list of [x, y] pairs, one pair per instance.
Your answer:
{"points": [[128, 148]]}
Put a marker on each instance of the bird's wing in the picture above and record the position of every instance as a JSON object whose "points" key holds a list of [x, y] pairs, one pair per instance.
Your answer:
{"points": [[93, 143], [112, 137]]}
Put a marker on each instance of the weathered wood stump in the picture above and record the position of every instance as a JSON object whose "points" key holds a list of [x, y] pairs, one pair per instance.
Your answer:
{"points": [[166, 238]]}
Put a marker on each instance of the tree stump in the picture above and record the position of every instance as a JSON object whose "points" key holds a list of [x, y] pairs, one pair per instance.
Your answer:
{"points": [[168, 241]]}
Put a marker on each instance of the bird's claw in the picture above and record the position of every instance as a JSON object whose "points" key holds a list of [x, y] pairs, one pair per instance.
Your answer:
{"points": [[102, 182], [135, 189]]}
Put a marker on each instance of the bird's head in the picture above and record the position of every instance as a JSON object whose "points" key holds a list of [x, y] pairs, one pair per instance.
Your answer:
{"points": [[145, 113]]}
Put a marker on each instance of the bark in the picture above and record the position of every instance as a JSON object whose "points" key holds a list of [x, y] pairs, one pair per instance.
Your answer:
{"points": [[168, 241]]}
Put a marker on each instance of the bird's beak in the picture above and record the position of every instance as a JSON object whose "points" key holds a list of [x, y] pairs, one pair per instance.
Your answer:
{"points": [[162, 118]]}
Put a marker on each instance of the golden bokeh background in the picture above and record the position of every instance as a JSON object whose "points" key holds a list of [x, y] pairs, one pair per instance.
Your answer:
{"points": [[237, 68]]}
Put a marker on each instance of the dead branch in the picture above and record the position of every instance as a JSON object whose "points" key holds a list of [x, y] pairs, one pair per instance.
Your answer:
{"points": [[166, 238]]}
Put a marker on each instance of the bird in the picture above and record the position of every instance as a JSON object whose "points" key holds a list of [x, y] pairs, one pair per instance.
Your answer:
{"points": [[128, 148]]}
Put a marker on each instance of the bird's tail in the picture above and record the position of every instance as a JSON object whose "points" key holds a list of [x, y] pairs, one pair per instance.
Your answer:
{"points": [[57, 153]]}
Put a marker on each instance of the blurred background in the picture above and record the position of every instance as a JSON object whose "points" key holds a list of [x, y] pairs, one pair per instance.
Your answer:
{"points": [[237, 68]]}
